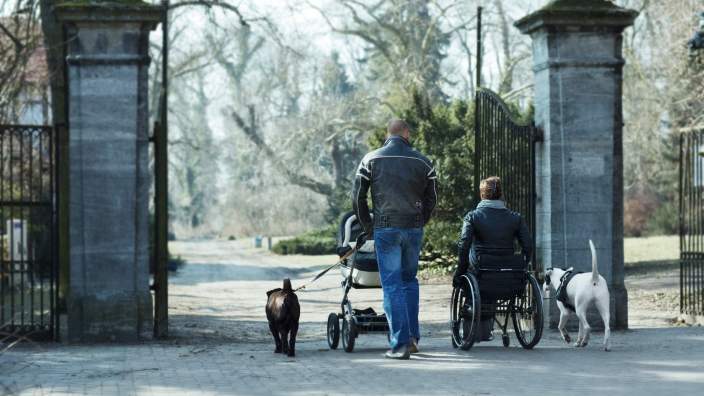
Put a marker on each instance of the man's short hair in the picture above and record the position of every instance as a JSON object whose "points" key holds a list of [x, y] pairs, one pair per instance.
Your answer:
{"points": [[397, 127], [490, 188]]}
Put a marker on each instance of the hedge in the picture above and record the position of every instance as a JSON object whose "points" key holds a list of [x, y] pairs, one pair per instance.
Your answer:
{"points": [[316, 242]]}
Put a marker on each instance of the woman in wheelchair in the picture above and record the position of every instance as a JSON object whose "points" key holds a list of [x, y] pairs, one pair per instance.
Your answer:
{"points": [[492, 281]]}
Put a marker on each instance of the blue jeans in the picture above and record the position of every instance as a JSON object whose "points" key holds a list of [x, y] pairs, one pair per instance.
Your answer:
{"points": [[397, 251]]}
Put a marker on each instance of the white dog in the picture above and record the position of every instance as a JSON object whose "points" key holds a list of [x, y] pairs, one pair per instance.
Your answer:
{"points": [[582, 290]]}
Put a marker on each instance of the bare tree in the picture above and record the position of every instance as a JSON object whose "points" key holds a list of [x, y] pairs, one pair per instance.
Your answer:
{"points": [[662, 88], [406, 40], [20, 40]]}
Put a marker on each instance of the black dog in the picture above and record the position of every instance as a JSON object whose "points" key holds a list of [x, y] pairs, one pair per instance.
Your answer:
{"points": [[283, 312]]}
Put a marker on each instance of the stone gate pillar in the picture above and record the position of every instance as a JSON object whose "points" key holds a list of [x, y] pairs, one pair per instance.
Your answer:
{"points": [[578, 71], [107, 68]]}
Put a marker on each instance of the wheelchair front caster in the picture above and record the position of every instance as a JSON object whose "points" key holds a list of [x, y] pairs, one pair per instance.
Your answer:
{"points": [[506, 341]]}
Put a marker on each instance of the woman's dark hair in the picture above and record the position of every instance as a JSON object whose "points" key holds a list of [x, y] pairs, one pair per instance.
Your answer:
{"points": [[490, 188]]}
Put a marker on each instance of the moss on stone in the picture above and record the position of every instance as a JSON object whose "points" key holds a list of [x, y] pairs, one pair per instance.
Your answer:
{"points": [[78, 3], [557, 5]]}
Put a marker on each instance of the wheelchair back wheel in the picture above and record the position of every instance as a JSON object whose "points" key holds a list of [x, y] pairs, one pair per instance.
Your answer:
{"points": [[527, 314], [465, 312]]}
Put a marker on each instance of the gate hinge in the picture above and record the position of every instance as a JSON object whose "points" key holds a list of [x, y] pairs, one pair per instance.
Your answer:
{"points": [[538, 134]]}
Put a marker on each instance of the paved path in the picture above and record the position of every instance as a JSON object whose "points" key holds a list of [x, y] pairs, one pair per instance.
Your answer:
{"points": [[220, 345], [643, 362], [221, 292]]}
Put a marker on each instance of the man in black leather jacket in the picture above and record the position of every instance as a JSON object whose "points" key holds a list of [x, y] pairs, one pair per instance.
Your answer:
{"points": [[402, 183], [490, 229]]}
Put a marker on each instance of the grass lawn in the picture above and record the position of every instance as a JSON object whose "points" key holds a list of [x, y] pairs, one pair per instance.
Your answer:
{"points": [[652, 279], [656, 248], [657, 253]]}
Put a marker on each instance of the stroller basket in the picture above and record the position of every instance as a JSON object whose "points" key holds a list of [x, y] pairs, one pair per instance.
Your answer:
{"points": [[368, 321]]}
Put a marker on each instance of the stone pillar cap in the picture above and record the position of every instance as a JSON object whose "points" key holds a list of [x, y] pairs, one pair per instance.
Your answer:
{"points": [[578, 13], [108, 11]]}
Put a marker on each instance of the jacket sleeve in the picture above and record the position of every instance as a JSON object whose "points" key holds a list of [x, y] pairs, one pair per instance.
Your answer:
{"points": [[524, 239], [430, 195], [360, 206], [464, 244]]}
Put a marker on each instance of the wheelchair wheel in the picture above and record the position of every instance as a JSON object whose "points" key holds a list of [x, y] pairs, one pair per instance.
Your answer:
{"points": [[349, 333], [527, 314], [505, 340], [333, 331], [465, 311]]}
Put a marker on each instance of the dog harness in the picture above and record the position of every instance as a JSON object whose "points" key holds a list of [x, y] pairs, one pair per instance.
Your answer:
{"points": [[562, 289]]}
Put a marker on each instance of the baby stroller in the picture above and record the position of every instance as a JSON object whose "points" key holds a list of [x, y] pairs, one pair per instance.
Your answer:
{"points": [[359, 271]]}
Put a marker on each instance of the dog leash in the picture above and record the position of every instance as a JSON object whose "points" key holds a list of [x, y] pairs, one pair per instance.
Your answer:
{"points": [[325, 271]]}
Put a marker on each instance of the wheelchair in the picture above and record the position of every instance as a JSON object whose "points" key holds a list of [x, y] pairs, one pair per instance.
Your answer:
{"points": [[498, 288]]}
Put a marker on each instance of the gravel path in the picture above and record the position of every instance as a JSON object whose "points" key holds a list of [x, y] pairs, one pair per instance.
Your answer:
{"points": [[221, 291]]}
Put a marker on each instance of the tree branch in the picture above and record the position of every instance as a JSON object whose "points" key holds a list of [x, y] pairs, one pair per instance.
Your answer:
{"points": [[211, 4], [250, 130], [18, 44]]}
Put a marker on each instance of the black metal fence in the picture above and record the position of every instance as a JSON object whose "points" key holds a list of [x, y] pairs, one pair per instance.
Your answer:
{"points": [[28, 257], [504, 147], [692, 222]]}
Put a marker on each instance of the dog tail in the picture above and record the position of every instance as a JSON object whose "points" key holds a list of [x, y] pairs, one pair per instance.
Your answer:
{"points": [[287, 284], [595, 268]]}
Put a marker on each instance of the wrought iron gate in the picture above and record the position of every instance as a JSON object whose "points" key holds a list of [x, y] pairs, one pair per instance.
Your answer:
{"points": [[504, 147], [161, 191], [28, 245], [692, 222]]}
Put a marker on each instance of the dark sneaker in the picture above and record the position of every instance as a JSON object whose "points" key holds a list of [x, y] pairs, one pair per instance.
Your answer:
{"points": [[413, 346], [401, 353]]}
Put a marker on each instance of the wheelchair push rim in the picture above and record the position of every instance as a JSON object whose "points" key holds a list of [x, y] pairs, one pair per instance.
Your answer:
{"points": [[465, 311], [527, 314]]}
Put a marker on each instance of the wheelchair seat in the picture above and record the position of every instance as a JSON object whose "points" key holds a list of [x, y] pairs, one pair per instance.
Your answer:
{"points": [[501, 277]]}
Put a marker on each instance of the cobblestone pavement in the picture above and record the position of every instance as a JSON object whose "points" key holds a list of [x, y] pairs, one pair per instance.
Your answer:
{"points": [[645, 362], [220, 345]]}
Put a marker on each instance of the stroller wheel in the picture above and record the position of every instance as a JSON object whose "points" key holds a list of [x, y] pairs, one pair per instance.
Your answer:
{"points": [[333, 331], [349, 333]]}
